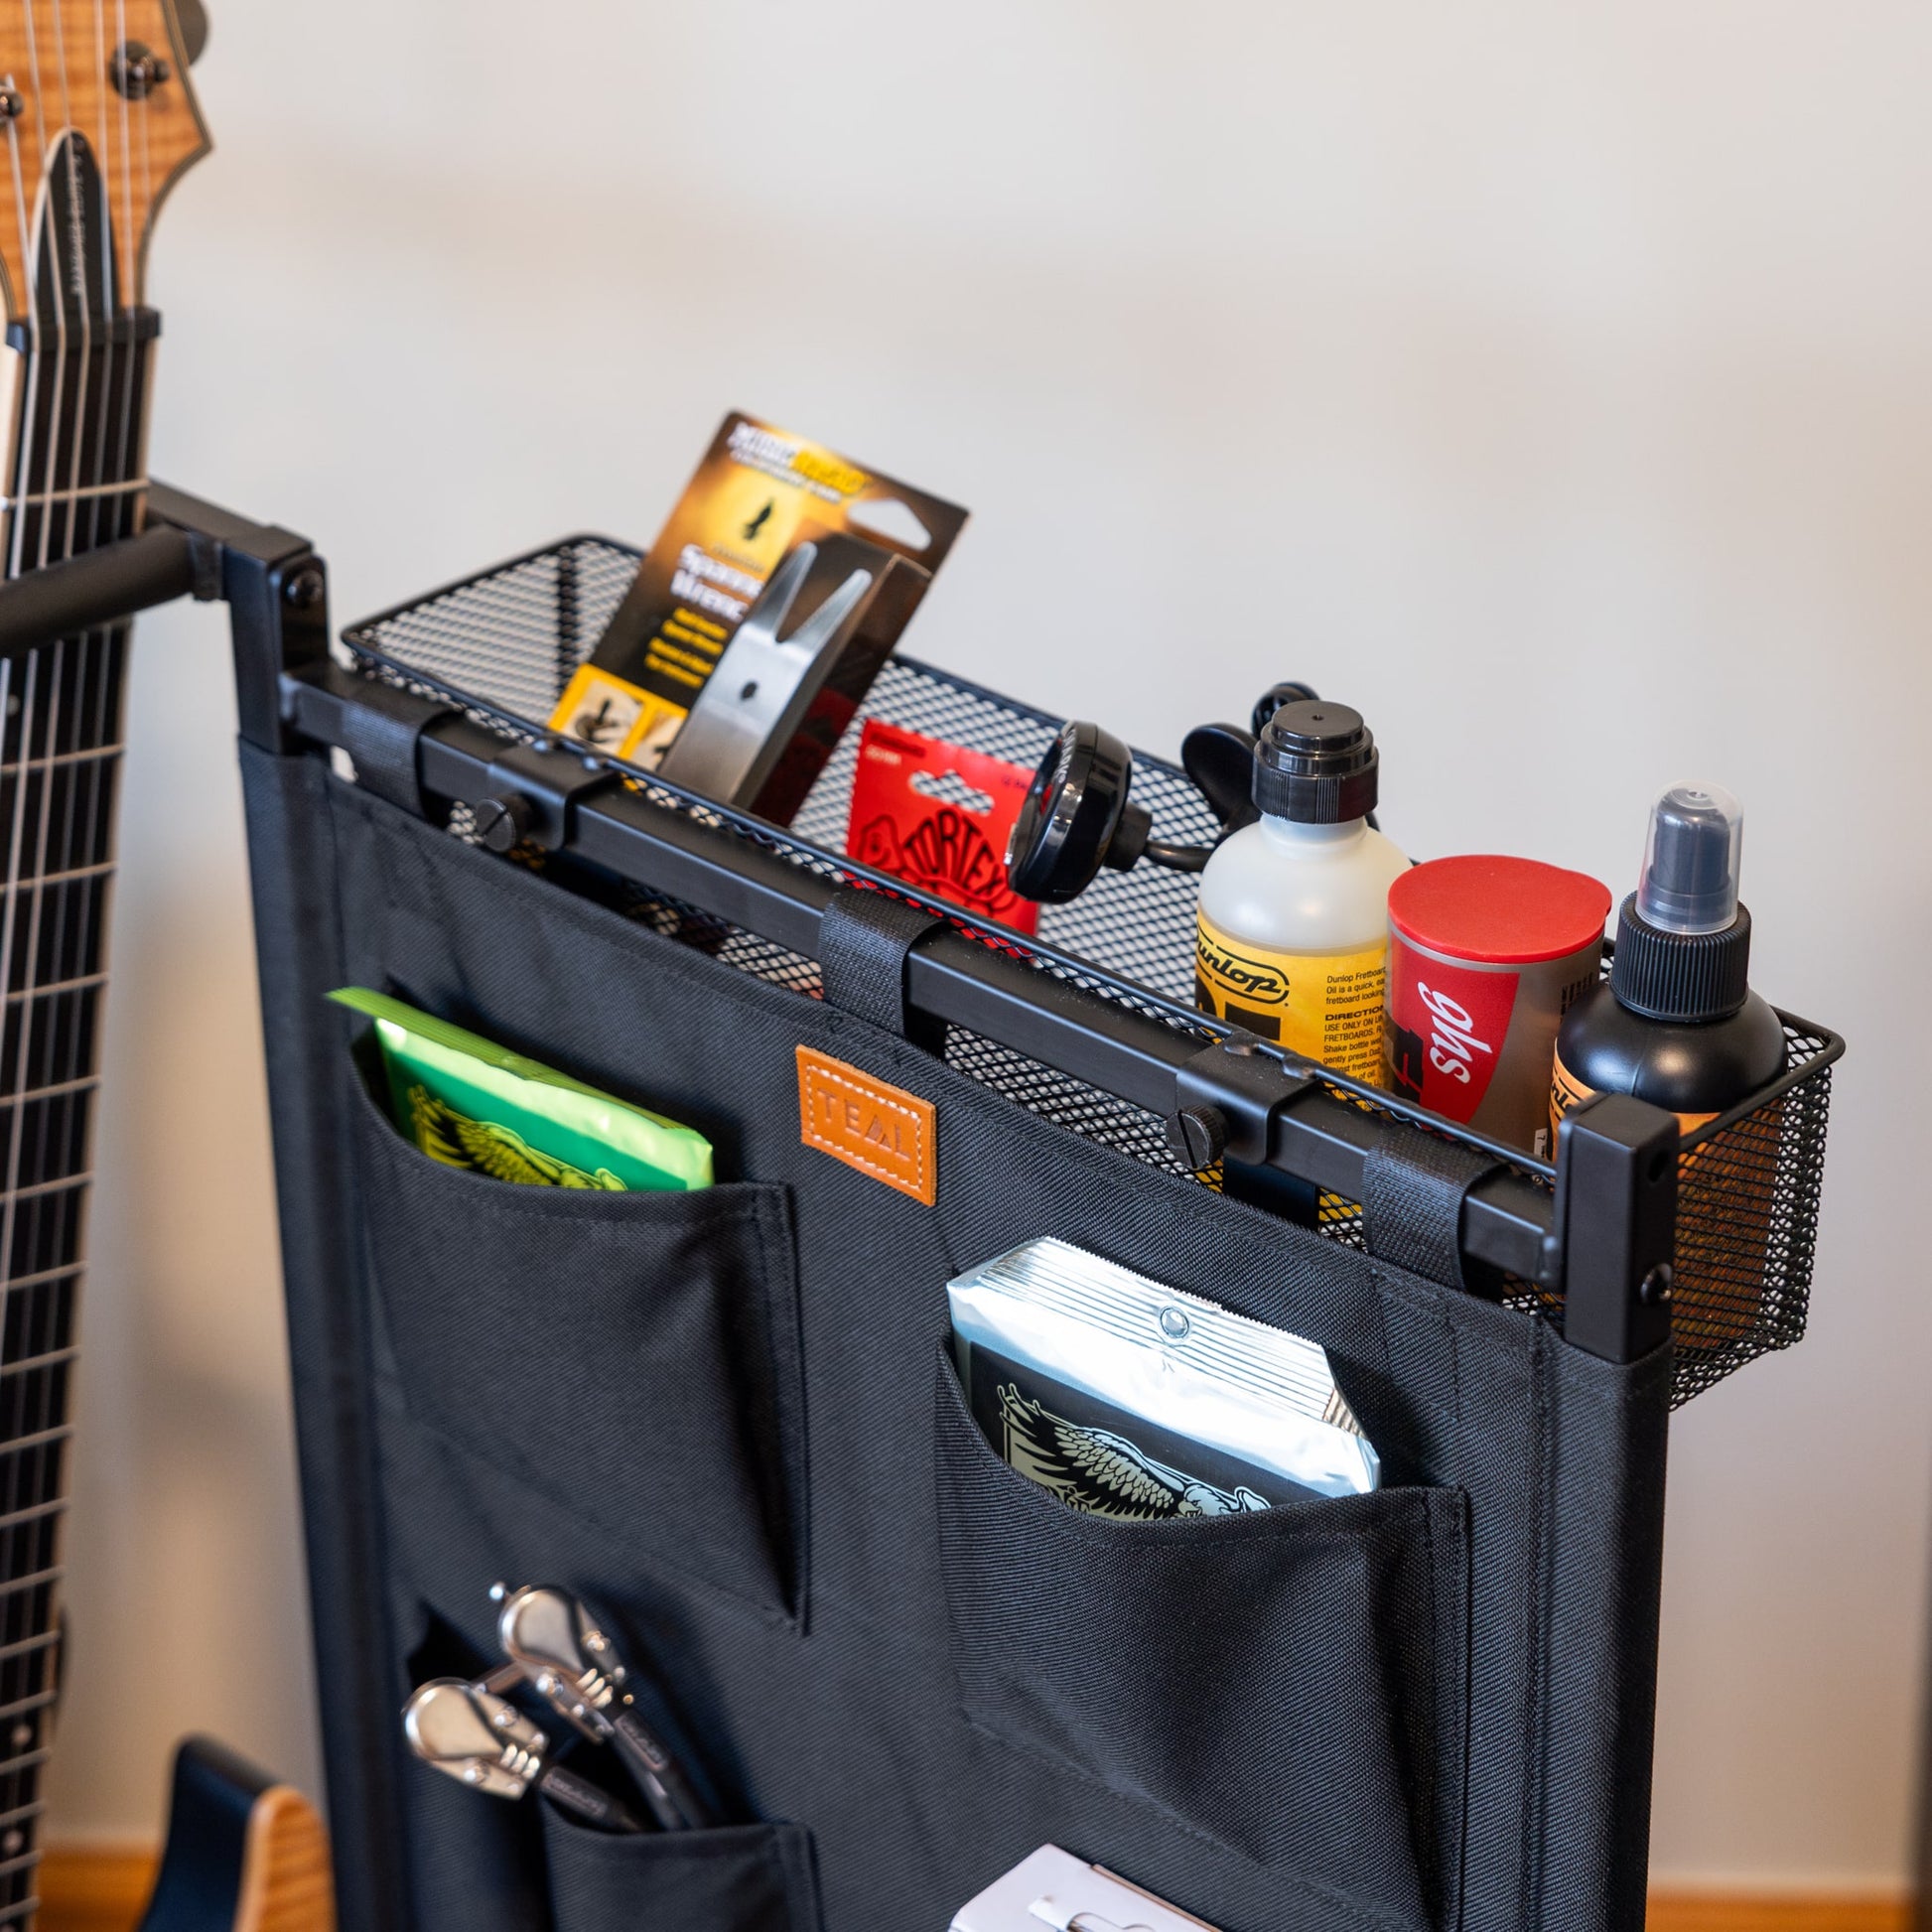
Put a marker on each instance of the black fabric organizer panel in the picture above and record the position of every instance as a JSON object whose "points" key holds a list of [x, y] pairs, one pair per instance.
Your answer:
{"points": [[725, 1420]]}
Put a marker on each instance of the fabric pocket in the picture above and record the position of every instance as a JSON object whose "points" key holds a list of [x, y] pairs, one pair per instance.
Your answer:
{"points": [[633, 1357], [737, 1878], [1291, 1684]]}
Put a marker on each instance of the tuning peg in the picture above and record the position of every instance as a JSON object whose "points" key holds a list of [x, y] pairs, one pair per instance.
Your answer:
{"points": [[191, 18]]}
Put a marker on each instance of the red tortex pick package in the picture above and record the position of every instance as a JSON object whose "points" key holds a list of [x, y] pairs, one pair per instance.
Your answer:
{"points": [[938, 816]]}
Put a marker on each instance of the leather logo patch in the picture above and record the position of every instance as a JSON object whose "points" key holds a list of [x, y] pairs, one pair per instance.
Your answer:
{"points": [[881, 1130]]}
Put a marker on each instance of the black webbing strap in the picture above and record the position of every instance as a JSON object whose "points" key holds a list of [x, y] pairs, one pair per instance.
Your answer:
{"points": [[380, 733], [1412, 1204], [863, 941]]}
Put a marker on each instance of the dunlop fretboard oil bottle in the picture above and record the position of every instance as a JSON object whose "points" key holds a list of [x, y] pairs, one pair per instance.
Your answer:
{"points": [[1293, 936], [1678, 1025]]}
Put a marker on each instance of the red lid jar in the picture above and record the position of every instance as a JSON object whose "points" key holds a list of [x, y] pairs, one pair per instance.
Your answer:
{"points": [[1485, 955]]}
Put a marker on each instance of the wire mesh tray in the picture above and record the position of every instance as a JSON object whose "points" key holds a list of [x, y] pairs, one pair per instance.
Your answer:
{"points": [[501, 647]]}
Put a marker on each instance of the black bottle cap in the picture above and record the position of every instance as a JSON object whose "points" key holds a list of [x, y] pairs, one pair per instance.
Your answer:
{"points": [[1684, 976], [1315, 763]]}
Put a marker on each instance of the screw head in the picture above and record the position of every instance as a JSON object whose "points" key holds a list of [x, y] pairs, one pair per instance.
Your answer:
{"points": [[1175, 1324], [1654, 1290], [501, 824], [302, 591], [1197, 1136]]}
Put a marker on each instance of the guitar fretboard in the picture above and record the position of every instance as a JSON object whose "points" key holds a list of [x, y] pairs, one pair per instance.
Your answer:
{"points": [[75, 485]]}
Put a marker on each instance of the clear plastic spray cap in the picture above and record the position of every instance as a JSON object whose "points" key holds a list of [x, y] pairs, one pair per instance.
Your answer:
{"points": [[1691, 858]]}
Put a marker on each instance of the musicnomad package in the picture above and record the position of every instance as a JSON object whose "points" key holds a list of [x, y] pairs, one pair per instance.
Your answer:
{"points": [[816, 562]]}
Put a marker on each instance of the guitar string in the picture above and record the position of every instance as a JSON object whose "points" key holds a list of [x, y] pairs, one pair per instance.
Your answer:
{"points": [[32, 1673], [105, 230], [69, 266], [89, 649], [34, 1670], [54, 1220], [47, 1454], [30, 302], [91, 668], [130, 293], [97, 688], [63, 151], [73, 276], [17, 830], [23, 1734], [95, 672]]}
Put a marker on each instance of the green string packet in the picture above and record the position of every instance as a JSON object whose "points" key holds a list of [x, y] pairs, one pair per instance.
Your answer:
{"points": [[469, 1103]]}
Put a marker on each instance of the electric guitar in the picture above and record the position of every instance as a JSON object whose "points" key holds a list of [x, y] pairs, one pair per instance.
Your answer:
{"points": [[245, 1854], [97, 124]]}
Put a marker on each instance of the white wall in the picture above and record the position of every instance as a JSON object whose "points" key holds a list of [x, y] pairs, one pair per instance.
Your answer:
{"points": [[1550, 382]]}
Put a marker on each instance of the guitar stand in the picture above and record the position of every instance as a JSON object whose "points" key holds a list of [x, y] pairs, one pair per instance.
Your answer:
{"points": [[908, 1667]]}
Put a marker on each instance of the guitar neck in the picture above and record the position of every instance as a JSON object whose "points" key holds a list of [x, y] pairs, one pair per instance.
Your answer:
{"points": [[98, 122], [75, 481]]}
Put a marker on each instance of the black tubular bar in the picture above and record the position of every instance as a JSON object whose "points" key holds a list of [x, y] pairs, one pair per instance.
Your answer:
{"points": [[105, 587], [1508, 1221], [1280, 1112]]}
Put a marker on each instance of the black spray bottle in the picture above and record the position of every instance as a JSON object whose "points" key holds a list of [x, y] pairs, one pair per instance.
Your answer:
{"points": [[1677, 1024]]}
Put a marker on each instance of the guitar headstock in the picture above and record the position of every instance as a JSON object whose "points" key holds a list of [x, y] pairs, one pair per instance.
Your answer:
{"points": [[98, 122]]}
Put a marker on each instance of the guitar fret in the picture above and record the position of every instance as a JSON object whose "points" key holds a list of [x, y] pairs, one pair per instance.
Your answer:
{"points": [[35, 1513], [37, 1806], [54, 987], [25, 1859], [58, 878], [33, 1582], [42, 1187], [40, 1276], [54, 1092], [25, 1909], [52, 1359], [21, 1645], [71, 494], [59, 760], [57, 1433]]}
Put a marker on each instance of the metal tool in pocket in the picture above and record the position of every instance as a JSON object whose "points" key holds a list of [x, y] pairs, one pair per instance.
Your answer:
{"points": [[484, 1741], [576, 1667], [762, 685]]}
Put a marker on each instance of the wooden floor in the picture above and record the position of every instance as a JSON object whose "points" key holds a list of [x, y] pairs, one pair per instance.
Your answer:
{"points": [[1714, 1912], [105, 1891]]}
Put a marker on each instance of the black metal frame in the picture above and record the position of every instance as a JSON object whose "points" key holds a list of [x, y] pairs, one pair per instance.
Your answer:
{"points": [[1605, 1240]]}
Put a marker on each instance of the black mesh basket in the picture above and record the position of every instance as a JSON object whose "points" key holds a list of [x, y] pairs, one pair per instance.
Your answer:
{"points": [[502, 646]]}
